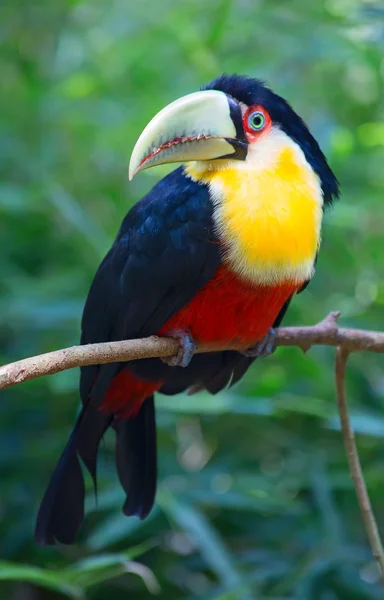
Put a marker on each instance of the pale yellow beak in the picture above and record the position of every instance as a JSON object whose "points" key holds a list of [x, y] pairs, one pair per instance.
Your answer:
{"points": [[200, 126]]}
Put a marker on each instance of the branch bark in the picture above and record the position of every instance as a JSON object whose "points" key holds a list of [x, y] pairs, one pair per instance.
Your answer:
{"points": [[354, 461], [325, 333]]}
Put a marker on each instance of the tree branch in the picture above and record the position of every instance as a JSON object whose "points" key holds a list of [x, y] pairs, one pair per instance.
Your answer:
{"points": [[325, 333], [354, 461]]}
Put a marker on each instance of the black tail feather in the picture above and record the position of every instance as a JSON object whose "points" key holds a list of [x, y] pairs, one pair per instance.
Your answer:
{"points": [[61, 511], [136, 459]]}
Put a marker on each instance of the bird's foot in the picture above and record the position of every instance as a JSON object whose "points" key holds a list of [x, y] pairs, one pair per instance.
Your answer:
{"points": [[264, 347], [185, 352]]}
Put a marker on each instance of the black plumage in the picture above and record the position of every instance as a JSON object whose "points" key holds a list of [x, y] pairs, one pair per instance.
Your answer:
{"points": [[136, 459]]}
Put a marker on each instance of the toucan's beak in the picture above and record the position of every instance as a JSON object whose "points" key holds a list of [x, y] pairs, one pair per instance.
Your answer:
{"points": [[201, 126]]}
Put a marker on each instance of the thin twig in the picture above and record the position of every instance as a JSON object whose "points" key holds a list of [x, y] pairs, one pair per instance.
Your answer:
{"points": [[354, 461], [326, 333]]}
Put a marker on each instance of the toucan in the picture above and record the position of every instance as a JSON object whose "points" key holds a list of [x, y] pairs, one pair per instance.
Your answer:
{"points": [[213, 254]]}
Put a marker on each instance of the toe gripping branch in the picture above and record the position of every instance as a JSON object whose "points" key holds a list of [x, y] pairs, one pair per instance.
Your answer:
{"points": [[186, 350], [265, 347]]}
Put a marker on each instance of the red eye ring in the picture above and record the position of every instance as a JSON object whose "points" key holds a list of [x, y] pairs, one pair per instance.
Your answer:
{"points": [[256, 120]]}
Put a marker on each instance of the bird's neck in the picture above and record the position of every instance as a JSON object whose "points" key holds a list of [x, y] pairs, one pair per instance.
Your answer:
{"points": [[267, 210]]}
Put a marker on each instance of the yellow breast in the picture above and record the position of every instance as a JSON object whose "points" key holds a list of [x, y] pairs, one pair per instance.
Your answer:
{"points": [[267, 211]]}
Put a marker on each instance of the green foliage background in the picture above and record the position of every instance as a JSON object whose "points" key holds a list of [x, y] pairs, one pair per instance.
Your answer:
{"points": [[255, 499]]}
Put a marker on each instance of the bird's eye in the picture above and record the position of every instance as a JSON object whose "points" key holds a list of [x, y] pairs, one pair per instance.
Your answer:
{"points": [[256, 120]]}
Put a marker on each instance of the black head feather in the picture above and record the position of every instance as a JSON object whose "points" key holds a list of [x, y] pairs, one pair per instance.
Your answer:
{"points": [[253, 91]]}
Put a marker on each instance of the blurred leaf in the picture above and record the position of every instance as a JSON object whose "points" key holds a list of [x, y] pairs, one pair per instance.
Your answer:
{"points": [[203, 403], [91, 571], [115, 528], [207, 539], [365, 424], [47, 579]]}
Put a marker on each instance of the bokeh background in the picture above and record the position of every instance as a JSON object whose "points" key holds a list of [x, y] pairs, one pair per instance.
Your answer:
{"points": [[255, 499]]}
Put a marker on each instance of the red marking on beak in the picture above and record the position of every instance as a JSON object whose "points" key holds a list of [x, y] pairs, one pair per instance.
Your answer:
{"points": [[174, 142]]}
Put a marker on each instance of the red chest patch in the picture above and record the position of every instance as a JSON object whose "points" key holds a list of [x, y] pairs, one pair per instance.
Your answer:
{"points": [[229, 309]]}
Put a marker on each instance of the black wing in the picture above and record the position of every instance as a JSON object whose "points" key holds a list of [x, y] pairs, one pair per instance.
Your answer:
{"points": [[164, 253]]}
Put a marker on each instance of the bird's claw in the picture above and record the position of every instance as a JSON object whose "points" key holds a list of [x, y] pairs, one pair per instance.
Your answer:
{"points": [[265, 347], [185, 352]]}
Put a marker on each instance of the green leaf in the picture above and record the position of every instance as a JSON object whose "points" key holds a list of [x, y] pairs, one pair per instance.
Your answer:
{"points": [[95, 569], [48, 579], [211, 546], [366, 424], [223, 403], [115, 528]]}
